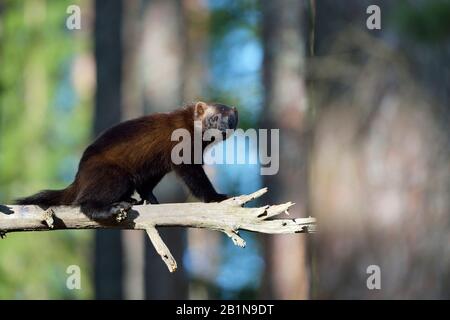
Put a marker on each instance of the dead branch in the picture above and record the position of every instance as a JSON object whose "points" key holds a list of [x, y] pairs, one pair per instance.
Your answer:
{"points": [[228, 217]]}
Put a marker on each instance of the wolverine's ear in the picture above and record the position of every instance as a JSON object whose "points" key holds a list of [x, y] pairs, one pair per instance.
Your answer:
{"points": [[200, 108]]}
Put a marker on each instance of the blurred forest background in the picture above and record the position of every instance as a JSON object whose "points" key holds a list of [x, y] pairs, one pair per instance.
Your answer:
{"points": [[364, 141]]}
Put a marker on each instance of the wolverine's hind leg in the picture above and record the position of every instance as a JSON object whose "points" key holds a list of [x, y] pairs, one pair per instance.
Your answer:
{"points": [[100, 211], [104, 192]]}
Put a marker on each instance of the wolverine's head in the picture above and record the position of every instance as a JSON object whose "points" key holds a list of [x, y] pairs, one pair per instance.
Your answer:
{"points": [[216, 116]]}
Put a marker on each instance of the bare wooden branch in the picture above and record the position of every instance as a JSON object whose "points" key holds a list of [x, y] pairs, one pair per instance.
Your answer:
{"points": [[161, 248], [228, 217]]}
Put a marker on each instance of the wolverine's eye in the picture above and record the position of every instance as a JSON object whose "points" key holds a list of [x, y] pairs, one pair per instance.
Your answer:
{"points": [[215, 118]]}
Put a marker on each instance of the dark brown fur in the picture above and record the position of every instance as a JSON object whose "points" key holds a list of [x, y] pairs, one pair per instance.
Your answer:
{"points": [[134, 155]]}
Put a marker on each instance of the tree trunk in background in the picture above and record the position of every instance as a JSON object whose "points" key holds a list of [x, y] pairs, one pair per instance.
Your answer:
{"points": [[286, 273], [201, 243], [108, 55], [154, 75], [380, 180], [132, 33], [133, 107], [195, 17], [161, 54]]}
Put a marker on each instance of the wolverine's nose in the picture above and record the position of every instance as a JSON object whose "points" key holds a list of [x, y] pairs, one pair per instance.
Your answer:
{"points": [[233, 118]]}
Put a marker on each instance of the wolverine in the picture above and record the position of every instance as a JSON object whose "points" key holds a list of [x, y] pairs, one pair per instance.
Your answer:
{"points": [[134, 156]]}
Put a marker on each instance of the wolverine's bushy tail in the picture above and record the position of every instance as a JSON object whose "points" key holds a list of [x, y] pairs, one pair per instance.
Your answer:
{"points": [[46, 198]]}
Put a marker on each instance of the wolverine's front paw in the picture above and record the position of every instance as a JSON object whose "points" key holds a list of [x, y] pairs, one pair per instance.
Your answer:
{"points": [[119, 210]]}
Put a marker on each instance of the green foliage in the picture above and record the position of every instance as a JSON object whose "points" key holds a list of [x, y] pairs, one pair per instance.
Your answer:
{"points": [[427, 21], [37, 136], [33, 265]]}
